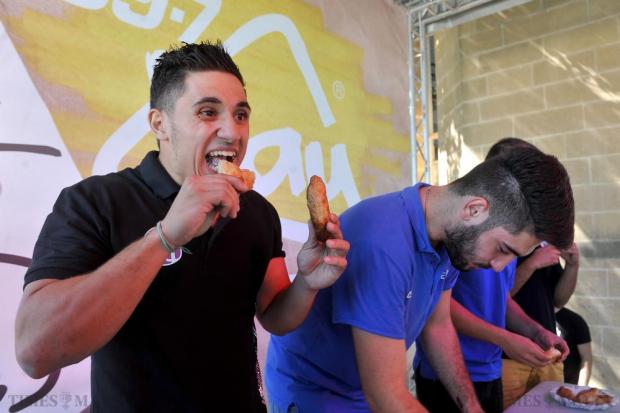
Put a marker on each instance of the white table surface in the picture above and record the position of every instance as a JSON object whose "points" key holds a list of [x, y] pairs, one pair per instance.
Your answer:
{"points": [[539, 400]]}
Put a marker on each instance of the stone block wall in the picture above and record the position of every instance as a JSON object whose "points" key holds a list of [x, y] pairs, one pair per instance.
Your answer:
{"points": [[547, 71]]}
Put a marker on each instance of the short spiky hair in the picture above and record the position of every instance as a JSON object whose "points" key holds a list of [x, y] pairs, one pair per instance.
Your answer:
{"points": [[527, 190], [168, 82], [504, 146]]}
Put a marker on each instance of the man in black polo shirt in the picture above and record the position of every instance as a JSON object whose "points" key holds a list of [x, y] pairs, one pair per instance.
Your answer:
{"points": [[158, 271], [541, 285]]}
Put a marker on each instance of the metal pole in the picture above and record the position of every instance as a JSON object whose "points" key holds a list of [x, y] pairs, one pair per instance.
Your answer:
{"points": [[412, 99], [424, 65]]}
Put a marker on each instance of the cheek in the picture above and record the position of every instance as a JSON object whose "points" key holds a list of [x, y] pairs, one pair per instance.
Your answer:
{"points": [[484, 251]]}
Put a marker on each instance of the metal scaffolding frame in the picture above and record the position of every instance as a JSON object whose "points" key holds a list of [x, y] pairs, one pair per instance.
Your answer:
{"points": [[424, 18]]}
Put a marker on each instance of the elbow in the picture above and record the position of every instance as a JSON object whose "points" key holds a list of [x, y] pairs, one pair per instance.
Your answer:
{"points": [[373, 399], [33, 366], [560, 302], [276, 327], [278, 330], [31, 359]]}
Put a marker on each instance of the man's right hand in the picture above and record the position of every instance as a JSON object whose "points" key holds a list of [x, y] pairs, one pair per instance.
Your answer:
{"points": [[524, 350], [543, 257], [199, 203]]}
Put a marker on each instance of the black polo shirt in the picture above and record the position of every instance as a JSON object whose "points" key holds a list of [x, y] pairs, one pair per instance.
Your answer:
{"points": [[190, 344], [536, 295], [574, 329]]}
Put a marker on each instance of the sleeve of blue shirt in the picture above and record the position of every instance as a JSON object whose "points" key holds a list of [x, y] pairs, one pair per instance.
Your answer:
{"points": [[370, 295]]}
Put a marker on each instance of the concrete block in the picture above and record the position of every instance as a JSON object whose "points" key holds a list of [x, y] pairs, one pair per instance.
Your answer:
{"points": [[603, 32], [578, 170], [510, 80], [523, 101], [557, 66], [549, 122], [598, 141]]}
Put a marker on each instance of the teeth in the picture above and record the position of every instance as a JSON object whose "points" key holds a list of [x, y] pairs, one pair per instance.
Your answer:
{"points": [[214, 157], [222, 153]]}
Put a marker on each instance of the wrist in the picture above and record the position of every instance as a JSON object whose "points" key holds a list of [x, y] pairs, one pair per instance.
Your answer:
{"points": [[537, 334], [502, 338], [472, 406], [158, 232], [303, 283], [152, 238]]}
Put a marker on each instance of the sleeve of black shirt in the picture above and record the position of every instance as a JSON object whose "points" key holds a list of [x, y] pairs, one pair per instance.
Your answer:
{"points": [[73, 239], [576, 324]]}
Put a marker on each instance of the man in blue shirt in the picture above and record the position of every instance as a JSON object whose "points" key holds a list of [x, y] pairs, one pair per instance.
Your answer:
{"points": [[481, 309], [350, 353]]}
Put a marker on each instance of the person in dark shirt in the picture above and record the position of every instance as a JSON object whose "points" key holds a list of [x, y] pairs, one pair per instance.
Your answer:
{"points": [[541, 285], [158, 271], [574, 329]]}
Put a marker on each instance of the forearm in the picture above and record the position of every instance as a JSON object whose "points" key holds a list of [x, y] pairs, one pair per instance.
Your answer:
{"points": [[470, 325], [289, 308], [382, 364], [565, 286], [447, 361], [523, 273], [67, 320], [585, 370], [398, 400], [584, 373], [518, 321]]}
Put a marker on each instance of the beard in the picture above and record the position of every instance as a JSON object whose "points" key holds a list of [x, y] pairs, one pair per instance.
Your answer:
{"points": [[460, 243]]}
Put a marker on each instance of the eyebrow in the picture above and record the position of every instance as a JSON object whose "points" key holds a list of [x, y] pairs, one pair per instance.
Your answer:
{"points": [[512, 250], [217, 101]]}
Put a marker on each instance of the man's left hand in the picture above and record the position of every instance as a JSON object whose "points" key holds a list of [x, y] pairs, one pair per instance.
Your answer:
{"points": [[546, 339], [571, 255], [321, 263]]}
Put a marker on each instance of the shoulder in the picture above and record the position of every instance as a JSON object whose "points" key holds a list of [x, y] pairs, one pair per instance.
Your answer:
{"points": [[256, 202], [378, 220], [257, 212], [97, 184]]}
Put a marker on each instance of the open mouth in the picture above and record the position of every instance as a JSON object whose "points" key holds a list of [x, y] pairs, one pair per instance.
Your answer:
{"points": [[214, 157]]}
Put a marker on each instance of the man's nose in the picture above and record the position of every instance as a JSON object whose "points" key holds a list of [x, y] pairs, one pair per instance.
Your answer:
{"points": [[230, 130], [498, 263]]}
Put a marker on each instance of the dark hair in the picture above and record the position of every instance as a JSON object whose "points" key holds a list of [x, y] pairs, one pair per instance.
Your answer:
{"points": [[503, 146], [527, 190], [171, 68]]}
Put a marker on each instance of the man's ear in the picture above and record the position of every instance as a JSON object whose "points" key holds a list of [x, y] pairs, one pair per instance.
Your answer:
{"points": [[475, 211], [159, 124]]}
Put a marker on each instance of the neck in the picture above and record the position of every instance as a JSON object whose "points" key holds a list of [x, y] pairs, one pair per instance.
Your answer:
{"points": [[430, 197]]}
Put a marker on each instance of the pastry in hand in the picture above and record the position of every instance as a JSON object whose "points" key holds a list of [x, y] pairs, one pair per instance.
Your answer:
{"points": [[318, 206], [554, 354]]}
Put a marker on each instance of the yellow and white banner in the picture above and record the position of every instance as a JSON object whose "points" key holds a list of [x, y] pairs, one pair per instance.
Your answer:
{"points": [[74, 82]]}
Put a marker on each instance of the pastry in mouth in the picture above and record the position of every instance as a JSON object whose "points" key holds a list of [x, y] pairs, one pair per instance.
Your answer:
{"points": [[214, 157], [223, 166]]}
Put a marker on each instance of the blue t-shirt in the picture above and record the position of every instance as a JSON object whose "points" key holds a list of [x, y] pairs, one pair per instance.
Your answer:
{"points": [[483, 292], [391, 286]]}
